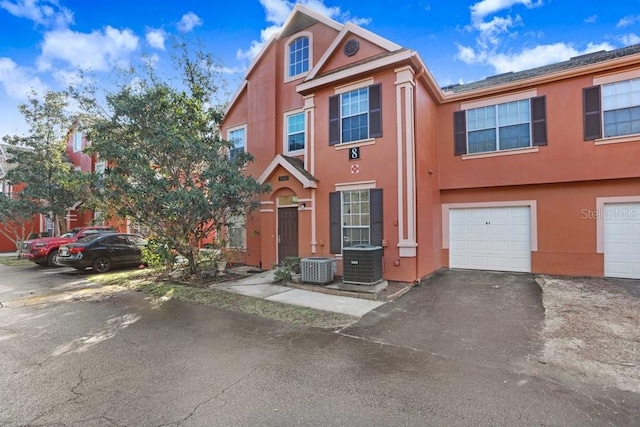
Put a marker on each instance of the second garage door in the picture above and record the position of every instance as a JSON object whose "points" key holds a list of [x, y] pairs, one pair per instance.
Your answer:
{"points": [[622, 240], [490, 238]]}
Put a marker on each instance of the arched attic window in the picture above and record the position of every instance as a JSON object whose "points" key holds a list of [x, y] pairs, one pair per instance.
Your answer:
{"points": [[298, 56]]}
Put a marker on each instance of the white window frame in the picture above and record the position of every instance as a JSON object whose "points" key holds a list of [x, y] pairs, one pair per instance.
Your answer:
{"points": [[240, 224], [630, 103], [100, 167], [77, 141], [343, 117], [342, 213], [309, 36], [285, 132], [242, 127], [498, 126]]}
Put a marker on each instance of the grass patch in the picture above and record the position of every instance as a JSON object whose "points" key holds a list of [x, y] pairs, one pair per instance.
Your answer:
{"points": [[13, 261], [149, 281]]}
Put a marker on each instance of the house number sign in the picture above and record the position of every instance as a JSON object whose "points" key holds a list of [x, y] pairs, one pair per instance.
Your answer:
{"points": [[354, 153]]}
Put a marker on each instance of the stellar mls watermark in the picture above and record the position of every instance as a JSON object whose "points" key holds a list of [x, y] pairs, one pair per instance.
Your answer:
{"points": [[623, 213]]}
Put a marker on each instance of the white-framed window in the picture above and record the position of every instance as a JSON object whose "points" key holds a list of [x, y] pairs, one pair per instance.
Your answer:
{"points": [[355, 115], [621, 108], [356, 219], [499, 127], [486, 127], [295, 132], [237, 233], [298, 57], [77, 141], [48, 226], [238, 136], [100, 167]]}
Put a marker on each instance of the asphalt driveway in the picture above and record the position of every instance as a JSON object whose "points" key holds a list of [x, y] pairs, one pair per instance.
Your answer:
{"points": [[487, 318]]}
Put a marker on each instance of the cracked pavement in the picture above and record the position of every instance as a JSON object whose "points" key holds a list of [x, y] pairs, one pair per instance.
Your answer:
{"points": [[436, 356]]}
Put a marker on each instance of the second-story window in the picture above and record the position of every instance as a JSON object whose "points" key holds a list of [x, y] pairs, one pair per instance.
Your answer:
{"points": [[612, 109], [77, 141], [499, 127], [355, 115], [239, 139], [298, 56], [295, 124], [506, 126], [621, 108]]}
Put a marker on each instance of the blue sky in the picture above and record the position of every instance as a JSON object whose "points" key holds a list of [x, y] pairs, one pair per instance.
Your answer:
{"points": [[44, 43]]}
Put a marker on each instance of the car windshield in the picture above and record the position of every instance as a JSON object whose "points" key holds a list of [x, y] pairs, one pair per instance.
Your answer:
{"points": [[68, 235], [88, 239]]}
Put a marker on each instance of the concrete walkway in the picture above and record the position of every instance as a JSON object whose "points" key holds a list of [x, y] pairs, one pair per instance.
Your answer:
{"points": [[261, 286]]}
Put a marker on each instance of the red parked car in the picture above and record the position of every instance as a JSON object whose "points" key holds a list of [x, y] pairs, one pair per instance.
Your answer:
{"points": [[44, 251]]}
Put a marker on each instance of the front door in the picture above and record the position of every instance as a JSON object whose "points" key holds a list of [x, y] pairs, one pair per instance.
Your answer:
{"points": [[287, 233]]}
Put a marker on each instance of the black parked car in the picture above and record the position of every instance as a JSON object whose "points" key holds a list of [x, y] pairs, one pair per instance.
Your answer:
{"points": [[103, 251]]}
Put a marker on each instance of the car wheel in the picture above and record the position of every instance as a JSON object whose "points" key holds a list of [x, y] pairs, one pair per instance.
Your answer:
{"points": [[101, 264], [52, 259]]}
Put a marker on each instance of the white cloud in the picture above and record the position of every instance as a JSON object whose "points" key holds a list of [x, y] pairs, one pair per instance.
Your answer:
{"points": [[257, 45], [188, 22], [629, 39], [490, 32], [156, 38], [539, 56], [277, 12], [43, 12], [591, 19], [97, 51], [68, 78], [628, 20], [17, 81], [485, 8]]}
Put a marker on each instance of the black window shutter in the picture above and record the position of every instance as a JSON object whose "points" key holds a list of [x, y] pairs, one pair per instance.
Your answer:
{"points": [[459, 133], [375, 200], [334, 120], [335, 223], [539, 120], [592, 117], [375, 111]]}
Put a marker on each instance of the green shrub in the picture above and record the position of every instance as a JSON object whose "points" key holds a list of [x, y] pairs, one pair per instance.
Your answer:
{"points": [[290, 265], [156, 254]]}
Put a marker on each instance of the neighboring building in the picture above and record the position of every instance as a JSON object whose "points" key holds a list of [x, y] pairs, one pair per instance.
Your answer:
{"points": [[535, 171], [76, 217]]}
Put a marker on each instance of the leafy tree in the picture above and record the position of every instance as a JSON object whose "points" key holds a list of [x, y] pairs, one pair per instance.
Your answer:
{"points": [[168, 167], [16, 218], [50, 184]]}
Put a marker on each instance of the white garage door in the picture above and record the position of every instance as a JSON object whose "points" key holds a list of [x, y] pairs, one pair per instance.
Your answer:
{"points": [[490, 238], [622, 240]]}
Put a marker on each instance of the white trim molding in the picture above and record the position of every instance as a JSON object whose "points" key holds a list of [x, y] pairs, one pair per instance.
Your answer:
{"points": [[280, 161], [533, 215], [616, 77], [346, 30], [407, 195], [486, 102], [353, 186]]}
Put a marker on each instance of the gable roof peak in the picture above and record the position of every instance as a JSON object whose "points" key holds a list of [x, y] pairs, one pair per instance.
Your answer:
{"points": [[302, 17]]}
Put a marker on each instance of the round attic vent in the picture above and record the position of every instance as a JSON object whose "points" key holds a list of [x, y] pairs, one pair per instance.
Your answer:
{"points": [[351, 47]]}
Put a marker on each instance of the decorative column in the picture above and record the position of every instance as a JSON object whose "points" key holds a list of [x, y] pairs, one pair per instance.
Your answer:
{"points": [[405, 120]]}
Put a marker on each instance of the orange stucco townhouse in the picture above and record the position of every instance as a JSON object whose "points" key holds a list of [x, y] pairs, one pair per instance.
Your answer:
{"points": [[536, 171]]}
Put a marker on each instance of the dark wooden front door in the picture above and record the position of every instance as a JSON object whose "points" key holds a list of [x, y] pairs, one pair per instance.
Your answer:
{"points": [[287, 233]]}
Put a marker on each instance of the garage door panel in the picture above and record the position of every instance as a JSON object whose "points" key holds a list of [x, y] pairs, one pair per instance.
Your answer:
{"points": [[622, 240], [490, 238]]}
